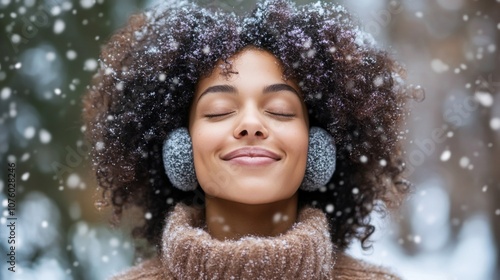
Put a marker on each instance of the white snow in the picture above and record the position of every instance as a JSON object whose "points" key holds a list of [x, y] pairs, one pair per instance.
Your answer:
{"points": [[363, 159], [114, 242], [495, 123], [59, 26], [87, 4], [329, 208], [378, 81], [55, 11], [29, 132], [99, 146], [50, 56], [439, 66], [5, 93], [45, 136], [484, 98], [90, 65], [15, 38], [445, 156], [464, 162], [73, 181]]}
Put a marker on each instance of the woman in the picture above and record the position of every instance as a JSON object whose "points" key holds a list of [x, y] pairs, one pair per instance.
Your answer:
{"points": [[254, 147]]}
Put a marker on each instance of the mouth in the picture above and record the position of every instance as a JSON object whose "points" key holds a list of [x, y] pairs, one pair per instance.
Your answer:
{"points": [[251, 156]]}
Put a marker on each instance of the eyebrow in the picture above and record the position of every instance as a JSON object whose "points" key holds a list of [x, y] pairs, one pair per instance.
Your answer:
{"points": [[232, 90]]}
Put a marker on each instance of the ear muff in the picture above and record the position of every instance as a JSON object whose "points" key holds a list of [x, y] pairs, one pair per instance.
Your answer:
{"points": [[320, 159], [178, 159], [179, 163]]}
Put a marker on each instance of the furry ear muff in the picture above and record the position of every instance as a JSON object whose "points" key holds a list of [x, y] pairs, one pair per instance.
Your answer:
{"points": [[178, 160], [179, 163], [320, 159]]}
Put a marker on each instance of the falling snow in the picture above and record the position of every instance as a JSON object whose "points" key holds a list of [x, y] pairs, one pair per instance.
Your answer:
{"points": [[90, 65], [50, 56], [71, 54], [445, 156], [87, 4], [5, 93], [29, 132], [45, 136], [73, 181], [495, 123], [484, 98], [31, 101], [25, 176], [99, 146], [378, 81], [464, 162], [363, 159], [59, 26]]}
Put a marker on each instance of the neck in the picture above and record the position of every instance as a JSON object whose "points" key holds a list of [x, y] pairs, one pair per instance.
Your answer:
{"points": [[232, 220]]}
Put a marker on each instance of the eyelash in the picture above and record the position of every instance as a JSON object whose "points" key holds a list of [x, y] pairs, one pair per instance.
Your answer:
{"points": [[212, 116], [282, 115]]}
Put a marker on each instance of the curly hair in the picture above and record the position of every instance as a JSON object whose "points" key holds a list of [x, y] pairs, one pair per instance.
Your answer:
{"points": [[145, 85]]}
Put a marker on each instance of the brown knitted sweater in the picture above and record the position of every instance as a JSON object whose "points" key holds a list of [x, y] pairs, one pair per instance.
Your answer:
{"points": [[303, 252]]}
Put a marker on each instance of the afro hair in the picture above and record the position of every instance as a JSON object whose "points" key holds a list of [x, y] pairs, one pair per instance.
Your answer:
{"points": [[146, 81]]}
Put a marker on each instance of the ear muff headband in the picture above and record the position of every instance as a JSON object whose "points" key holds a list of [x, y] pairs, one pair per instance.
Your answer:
{"points": [[179, 163]]}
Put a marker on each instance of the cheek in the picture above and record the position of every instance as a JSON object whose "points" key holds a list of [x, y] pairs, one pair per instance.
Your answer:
{"points": [[203, 139], [203, 133], [207, 141], [300, 145], [295, 139]]}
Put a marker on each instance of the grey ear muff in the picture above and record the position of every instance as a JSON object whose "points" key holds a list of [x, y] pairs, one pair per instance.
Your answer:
{"points": [[179, 163], [178, 160], [320, 160]]}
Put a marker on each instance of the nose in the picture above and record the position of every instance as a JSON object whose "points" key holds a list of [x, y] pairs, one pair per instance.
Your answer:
{"points": [[250, 125]]}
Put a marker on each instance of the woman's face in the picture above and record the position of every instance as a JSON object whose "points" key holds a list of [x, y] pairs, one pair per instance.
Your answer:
{"points": [[249, 131]]}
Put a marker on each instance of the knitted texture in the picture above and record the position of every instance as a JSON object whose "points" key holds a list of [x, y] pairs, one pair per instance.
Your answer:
{"points": [[304, 252]]}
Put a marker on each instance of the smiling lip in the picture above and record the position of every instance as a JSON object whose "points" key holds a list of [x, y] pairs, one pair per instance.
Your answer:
{"points": [[251, 156]]}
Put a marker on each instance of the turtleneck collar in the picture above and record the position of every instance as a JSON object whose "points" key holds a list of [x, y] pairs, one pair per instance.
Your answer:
{"points": [[305, 251]]}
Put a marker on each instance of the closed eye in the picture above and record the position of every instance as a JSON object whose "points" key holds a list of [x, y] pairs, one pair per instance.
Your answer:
{"points": [[212, 116], [280, 114]]}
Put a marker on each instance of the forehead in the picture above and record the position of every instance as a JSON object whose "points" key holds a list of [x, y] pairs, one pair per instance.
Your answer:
{"points": [[259, 65], [254, 59]]}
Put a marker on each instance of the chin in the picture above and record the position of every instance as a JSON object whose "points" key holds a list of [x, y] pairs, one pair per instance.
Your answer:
{"points": [[259, 195], [250, 189], [255, 200]]}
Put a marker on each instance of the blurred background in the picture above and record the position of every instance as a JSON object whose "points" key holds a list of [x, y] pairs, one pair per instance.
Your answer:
{"points": [[449, 227]]}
